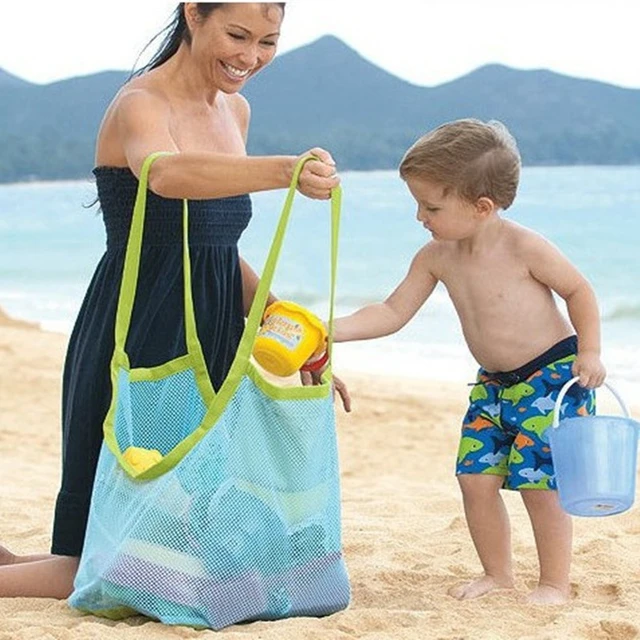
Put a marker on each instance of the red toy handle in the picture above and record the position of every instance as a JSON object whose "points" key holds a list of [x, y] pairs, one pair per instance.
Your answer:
{"points": [[316, 364]]}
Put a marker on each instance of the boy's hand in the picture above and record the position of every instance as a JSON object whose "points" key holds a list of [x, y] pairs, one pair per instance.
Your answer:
{"points": [[589, 368]]}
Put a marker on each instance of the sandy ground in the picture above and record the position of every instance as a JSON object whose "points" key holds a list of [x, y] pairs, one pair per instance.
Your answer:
{"points": [[405, 538]]}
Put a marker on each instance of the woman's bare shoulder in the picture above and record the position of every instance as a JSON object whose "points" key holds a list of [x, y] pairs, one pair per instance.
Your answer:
{"points": [[140, 93], [133, 108]]}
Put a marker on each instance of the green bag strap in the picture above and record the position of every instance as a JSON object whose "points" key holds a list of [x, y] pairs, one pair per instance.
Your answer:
{"points": [[256, 312], [336, 206], [132, 268], [238, 369]]}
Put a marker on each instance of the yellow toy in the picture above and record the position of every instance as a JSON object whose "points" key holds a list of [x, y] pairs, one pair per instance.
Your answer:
{"points": [[140, 458], [289, 337]]}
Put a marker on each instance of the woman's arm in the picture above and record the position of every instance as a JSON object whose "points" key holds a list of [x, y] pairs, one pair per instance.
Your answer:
{"points": [[143, 125], [250, 282]]}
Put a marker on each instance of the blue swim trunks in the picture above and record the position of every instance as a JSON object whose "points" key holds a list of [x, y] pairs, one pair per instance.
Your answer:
{"points": [[504, 432]]}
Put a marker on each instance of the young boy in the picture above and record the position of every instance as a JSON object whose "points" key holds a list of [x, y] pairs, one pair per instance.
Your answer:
{"points": [[500, 277]]}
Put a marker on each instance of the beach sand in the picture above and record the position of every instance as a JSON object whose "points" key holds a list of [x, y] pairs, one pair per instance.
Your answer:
{"points": [[405, 537]]}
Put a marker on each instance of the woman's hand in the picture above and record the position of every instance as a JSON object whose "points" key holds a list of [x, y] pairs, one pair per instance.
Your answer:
{"points": [[309, 378], [343, 392], [318, 177]]}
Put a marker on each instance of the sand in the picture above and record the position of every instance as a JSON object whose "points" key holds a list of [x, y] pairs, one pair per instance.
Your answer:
{"points": [[405, 538]]}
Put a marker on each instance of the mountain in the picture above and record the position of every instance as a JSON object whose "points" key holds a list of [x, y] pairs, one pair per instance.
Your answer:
{"points": [[48, 131], [9, 80], [367, 117], [556, 119], [326, 94], [328, 83]]}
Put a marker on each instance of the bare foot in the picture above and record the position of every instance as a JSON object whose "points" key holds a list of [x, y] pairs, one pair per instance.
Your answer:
{"points": [[480, 587], [546, 594], [6, 557]]}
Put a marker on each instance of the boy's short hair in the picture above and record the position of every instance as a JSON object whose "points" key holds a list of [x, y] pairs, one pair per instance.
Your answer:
{"points": [[473, 158]]}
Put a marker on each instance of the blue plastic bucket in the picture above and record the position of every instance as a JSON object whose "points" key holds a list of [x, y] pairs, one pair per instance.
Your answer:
{"points": [[595, 460]]}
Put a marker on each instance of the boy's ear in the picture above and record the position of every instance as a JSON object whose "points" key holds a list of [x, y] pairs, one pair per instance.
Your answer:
{"points": [[485, 206]]}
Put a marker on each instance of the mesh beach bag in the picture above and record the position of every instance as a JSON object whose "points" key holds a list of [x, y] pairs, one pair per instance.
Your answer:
{"points": [[238, 516]]}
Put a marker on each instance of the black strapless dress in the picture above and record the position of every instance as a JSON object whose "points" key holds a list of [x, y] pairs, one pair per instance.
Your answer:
{"points": [[156, 334]]}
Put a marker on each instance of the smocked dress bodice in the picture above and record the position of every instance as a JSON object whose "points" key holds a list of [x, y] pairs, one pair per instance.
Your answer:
{"points": [[212, 223]]}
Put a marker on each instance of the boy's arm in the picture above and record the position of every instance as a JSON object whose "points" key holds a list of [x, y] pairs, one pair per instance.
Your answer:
{"points": [[549, 266], [384, 318]]}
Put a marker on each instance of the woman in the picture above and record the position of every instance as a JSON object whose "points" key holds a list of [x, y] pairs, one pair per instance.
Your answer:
{"points": [[186, 102]]}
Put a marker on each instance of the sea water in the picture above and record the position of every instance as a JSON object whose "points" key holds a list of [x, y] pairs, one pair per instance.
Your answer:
{"points": [[51, 239]]}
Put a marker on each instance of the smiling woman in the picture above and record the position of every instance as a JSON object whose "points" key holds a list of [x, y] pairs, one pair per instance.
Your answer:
{"points": [[178, 32], [186, 104]]}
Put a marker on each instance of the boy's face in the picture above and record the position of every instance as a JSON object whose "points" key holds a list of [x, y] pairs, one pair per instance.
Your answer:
{"points": [[445, 215]]}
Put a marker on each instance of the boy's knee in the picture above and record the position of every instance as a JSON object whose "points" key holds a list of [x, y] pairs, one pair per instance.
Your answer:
{"points": [[540, 499], [477, 485]]}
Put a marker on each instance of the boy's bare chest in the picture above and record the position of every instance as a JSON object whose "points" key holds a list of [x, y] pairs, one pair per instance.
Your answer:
{"points": [[486, 281]]}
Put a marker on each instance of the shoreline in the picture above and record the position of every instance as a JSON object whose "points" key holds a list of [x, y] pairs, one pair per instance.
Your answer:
{"points": [[411, 383], [605, 165]]}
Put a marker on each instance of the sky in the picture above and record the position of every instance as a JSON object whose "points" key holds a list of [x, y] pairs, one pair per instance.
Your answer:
{"points": [[426, 42]]}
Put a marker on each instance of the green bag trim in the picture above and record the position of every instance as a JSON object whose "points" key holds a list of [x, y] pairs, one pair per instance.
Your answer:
{"points": [[183, 363], [216, 403], [117, 613], [288, 393]]}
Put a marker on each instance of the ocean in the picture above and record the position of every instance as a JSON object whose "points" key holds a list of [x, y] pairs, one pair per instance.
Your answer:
{"points": [[51, 239]]}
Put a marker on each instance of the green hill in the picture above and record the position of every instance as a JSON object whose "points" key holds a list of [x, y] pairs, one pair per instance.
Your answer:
{"points": [[326, 94]]}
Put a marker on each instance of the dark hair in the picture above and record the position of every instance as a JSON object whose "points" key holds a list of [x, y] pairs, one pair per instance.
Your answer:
{"points": [[176, 32]]}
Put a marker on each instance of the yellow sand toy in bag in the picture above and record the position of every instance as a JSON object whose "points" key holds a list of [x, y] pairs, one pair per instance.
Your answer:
{"points": [[140, 458], [290, 335]]}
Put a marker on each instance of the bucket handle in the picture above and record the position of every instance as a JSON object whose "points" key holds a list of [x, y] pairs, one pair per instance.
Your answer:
{"points": [[563, 391]]}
